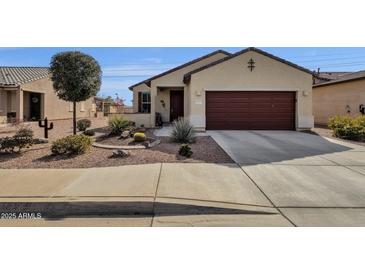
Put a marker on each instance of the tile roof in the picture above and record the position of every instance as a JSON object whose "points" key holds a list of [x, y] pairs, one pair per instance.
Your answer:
{"points": [[10, 76], [333, 75], [148, 81], [326, 76], [359, 75]]}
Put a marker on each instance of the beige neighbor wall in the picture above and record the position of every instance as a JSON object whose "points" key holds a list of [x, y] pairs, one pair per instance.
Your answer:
{"points": [[139, 118], [54, 108], [331, 100], [268, 74]]}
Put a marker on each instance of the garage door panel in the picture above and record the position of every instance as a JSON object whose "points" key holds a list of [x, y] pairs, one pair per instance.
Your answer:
{"points": [[250, 110], [264, 115], [232, 105], [219, 111]]}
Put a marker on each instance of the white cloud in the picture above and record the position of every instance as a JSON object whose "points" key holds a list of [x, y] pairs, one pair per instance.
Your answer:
{"points": [[137, 69], [154, 60]]}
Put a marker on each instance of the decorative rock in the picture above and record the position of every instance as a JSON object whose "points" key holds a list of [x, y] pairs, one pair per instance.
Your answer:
{"points": [[125, 134], [120, 153], [154, 143]]}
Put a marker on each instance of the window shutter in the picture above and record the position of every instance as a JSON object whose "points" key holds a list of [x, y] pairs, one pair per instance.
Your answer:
{"points": [[139, 101]]}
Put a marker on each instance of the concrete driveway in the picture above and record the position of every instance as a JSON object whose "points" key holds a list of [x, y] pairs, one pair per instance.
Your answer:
{"points": [[313, 181]]}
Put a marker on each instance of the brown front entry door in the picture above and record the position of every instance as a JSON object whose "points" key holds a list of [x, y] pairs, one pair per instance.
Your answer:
{"points": [[35, 106], [176, 104]]}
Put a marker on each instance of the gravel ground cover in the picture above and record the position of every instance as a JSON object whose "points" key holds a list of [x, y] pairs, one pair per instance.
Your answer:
{"points": [[326, 132], [205, 150]]}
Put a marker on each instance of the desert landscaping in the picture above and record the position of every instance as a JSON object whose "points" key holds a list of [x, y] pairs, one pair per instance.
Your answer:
{"points": [[205, 150]]}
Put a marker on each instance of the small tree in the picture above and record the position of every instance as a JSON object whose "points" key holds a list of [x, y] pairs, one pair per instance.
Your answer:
{"points": [[76, 77]]}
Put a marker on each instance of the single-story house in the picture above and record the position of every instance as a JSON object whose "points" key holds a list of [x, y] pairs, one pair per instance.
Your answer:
{"points": [[250, 89], [27, 94], [108, 105], [341, 94]]}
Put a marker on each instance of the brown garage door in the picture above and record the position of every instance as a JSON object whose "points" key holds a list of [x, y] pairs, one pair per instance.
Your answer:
{"points": [[273, 110]]}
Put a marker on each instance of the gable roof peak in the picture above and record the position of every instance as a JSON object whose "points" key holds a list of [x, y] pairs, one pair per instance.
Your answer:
{"points": [[188, 75]]}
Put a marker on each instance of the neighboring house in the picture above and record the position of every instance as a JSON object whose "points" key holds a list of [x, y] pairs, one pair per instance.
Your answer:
{"points": [[109, 106], [340, 95], [27, 94], [250, 89]]}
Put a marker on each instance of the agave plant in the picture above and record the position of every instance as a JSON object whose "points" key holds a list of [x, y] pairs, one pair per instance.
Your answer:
{"points": [[182, 131]]}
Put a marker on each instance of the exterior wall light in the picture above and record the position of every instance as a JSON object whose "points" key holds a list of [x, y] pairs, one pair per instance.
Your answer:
{"points": [[163, 103]]}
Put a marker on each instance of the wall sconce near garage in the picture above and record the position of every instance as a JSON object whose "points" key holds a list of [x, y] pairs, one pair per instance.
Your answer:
{"points": [[198, 92], [362, 109], [305, 93]]}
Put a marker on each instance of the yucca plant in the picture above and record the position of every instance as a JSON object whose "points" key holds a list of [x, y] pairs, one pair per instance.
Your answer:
{"points": [[182, 131], [118, 124]]}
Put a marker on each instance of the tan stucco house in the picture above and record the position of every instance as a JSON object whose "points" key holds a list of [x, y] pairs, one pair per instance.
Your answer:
{"points": [[338, 93], [250, 89], [27, 94]]}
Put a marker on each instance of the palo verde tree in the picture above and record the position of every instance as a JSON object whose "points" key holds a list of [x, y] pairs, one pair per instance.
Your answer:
{"points": [[76, 77]]}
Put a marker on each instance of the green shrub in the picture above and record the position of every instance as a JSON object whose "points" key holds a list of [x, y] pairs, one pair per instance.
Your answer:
{"points": [[139, 137], [24, 131], [22, 138], [185, 150], [118, 125], [72, 145], [83, 124], [346, 127], [89, 132], [182, 131]]}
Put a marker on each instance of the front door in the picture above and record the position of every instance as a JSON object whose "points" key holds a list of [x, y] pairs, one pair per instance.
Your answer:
{"points": [[35, 106], [176, 104]]}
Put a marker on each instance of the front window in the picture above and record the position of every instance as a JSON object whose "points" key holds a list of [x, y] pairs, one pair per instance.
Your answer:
{"points": [[145, 102]]}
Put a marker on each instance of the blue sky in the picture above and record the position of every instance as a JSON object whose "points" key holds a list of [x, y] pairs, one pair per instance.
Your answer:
{"points": [[123, 67]]}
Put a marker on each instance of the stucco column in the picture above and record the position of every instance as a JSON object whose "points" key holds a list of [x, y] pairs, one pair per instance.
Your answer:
{"points": [[19, 105], [153, 104]]}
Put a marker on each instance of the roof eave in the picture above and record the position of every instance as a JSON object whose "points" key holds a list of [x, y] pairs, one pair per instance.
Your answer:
{"points": [[148, 81], [338, 82], [2, 85]]}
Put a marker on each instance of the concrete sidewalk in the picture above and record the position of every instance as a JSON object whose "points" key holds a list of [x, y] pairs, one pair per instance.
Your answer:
{"points": [[141, 195]]}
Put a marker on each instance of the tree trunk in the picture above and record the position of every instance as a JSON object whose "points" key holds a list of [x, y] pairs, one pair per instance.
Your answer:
{"points": [[74, 117]]}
